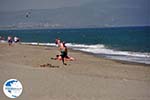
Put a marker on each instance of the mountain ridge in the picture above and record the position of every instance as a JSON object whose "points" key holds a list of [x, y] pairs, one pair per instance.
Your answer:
{"points": [[93, 14]]}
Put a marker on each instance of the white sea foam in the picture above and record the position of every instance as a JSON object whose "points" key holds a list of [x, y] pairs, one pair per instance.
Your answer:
{"points": [[42, 44], [100, 49]]}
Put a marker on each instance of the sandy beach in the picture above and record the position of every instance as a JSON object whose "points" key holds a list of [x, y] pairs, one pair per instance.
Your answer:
{"points": [[86, 78]]}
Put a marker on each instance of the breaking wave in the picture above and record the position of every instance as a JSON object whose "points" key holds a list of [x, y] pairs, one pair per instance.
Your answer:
{"points": [[102, 50]]}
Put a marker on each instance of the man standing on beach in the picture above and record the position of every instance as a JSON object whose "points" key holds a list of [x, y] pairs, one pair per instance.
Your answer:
{"points": [[9, 39], [64, 52]]}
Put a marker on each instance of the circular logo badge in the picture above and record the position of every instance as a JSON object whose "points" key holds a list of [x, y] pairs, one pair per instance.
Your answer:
{"points": [[12, 88]]}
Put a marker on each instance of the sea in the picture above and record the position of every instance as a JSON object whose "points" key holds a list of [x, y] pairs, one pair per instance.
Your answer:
{"points": [[130, 44]]}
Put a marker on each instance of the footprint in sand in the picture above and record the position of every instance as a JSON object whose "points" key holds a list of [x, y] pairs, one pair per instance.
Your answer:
{"points": [[49, 65]]}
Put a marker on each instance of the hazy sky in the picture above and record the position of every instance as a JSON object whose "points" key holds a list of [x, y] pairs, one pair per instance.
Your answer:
{"points": [[86, 12], [13, 5]]}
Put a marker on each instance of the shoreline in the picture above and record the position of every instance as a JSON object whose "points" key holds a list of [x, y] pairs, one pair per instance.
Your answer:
{"points": [[116, 60], [98, 56], [86, 78], [88, 53]]}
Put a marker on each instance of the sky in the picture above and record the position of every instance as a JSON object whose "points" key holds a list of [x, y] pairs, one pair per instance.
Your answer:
{"points": [[16, 5], [76, 12]]}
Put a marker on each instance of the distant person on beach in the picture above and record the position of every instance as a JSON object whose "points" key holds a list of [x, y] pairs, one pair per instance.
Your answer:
{"points": [[9, 39], [16, 39], [2, 38]]}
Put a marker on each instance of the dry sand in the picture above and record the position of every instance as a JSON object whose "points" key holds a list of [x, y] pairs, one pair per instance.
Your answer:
{"points": [[87, 78]]}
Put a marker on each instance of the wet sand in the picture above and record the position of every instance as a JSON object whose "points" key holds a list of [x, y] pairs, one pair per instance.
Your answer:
{"points": [[86, 78]]}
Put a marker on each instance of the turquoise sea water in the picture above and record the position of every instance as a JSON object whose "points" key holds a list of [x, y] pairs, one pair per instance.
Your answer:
{"points": [[128, 43]]}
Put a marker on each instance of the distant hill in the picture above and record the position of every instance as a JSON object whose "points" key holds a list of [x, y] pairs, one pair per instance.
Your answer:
{"points": [[99, 13]]}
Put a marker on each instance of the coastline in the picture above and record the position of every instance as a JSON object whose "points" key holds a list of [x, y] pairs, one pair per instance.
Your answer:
{"points": [[115, 60], [89, 53], [86, 78]]}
